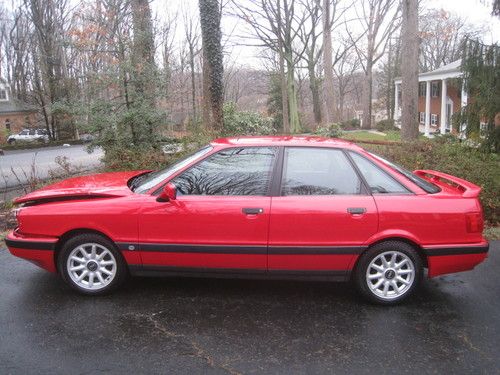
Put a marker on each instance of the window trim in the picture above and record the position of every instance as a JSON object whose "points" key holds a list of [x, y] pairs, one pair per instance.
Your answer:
{"points": [[364, 190], [434, 119], [408, 190], [216, 151]]}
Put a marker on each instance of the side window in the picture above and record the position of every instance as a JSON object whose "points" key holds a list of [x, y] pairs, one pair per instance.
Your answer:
{"points": [[235, 171], [32, 132], [318, 171], [378, 180]]}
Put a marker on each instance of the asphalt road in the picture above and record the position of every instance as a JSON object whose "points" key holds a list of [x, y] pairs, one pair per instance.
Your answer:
{"points": [[44, 159], [193, 326]]}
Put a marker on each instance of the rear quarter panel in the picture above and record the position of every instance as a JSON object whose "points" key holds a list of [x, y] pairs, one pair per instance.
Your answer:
{"points": [[430, 219]]}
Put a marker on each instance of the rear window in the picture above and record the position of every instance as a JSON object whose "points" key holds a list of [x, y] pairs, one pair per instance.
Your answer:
{"points": [[420, 182]]}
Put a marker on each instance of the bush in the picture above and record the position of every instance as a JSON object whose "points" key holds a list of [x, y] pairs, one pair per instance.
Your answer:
{"points": [[453, 158], [246, 122], [385, 125], [330, 131], [352, 124]]}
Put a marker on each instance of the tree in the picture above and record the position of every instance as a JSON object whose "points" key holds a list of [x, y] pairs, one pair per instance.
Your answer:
{"points": [[277, 25], [481, 75], [379, 20], [142, 117], [327, 61], [409, 68], [441, 35], [213, 68]]}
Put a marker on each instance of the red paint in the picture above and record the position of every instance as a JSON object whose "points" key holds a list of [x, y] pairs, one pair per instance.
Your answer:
{"points": [[443, 264], [103, 203]]}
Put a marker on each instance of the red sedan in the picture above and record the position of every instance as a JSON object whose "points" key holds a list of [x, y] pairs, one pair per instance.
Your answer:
{"points": [[275, 207]]}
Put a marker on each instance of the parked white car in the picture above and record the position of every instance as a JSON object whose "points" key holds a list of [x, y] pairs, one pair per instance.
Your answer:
{"points": [[29, 135]]}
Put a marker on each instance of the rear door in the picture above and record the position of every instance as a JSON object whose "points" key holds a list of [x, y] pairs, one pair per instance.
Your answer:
{"points": [[322, 216], [220, 219]]}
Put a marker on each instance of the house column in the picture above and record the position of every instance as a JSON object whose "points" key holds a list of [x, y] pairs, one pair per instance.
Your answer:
{"points": [[396, 102], [443, 118], [427, 108], [463, 103]]}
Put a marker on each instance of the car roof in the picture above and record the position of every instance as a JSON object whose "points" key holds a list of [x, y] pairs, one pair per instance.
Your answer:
{"points": [[305, 140]]}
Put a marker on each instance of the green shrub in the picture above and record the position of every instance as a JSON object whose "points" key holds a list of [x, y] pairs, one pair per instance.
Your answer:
{"points": [[246, 122], [330, 131], [385, 125], [352, 124], [469, 163]]}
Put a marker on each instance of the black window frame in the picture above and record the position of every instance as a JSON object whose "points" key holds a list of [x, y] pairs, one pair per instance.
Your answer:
{"points": [[271, 179], [278, 183]]}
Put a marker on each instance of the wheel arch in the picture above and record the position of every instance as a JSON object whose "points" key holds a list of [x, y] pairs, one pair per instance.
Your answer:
{"points": [[75, 232], [406, 240]]}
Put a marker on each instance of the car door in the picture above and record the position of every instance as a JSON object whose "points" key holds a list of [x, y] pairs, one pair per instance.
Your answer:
{"points": [[322, 215], [220, 218]]}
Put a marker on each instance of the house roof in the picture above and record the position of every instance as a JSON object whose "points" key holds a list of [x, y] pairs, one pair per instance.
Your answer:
{"points": [[451, 70], [14, 106]]}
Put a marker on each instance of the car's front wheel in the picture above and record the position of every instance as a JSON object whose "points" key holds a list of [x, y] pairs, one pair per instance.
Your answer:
{"points": [[91, 264], [389, 272]]}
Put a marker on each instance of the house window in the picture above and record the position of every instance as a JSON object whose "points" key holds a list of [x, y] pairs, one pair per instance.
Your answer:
{"points": [[435, 89], [421, 89], [3, 94], [421, 117], [434, 119]]}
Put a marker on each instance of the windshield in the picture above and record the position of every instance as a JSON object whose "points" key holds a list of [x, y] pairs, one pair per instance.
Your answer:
{"points": [[420, 182], [144, 182]]}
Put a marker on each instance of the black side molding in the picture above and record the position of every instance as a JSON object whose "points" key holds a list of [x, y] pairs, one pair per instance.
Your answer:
{"points": [[461, 250], [31, 245]]}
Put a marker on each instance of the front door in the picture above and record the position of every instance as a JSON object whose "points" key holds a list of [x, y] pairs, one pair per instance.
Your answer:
{"points": [[220, 219], [322, 217]]}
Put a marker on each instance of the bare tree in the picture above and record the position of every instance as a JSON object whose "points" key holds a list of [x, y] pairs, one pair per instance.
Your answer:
{"points": [[277, 25], [192, 37], [409, 68], [441, 34], [379, 19]]}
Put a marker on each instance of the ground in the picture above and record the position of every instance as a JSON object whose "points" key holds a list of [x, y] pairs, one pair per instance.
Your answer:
{"points": [[254, 327]]}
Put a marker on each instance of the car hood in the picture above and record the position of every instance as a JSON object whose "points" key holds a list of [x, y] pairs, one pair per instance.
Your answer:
{"points": [[92, 186]]}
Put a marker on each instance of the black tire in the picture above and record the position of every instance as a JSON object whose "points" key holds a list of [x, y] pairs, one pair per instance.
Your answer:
{"points": [[119, 269], [390, 247], [11, 141]]}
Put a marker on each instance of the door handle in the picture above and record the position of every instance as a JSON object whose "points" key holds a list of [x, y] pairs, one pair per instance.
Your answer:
{"points": [[356, 210], [252, 211]]}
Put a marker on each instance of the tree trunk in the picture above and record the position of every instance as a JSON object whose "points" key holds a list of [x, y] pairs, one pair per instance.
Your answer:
{"points": [[328, 64], [313, 85], [193, 82], [409, 67], [213, 68], [292, 97], [367, 96]]}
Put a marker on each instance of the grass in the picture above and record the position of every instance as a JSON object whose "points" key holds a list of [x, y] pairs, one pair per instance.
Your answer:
{"points": [[363, 135]]}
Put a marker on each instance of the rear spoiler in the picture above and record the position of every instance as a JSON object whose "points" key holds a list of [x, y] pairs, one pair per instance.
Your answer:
{"points": [[468, 189]]}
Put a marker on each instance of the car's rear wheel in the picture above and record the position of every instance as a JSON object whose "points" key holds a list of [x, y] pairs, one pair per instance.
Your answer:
{"points": [[91, 264], [389, 272], [11, 141]]}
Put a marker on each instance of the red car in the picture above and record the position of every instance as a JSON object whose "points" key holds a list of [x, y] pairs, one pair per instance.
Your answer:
{"points": [[275, 207]]}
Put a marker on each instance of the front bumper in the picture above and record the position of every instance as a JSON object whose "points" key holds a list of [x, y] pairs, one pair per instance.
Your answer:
{"points": [[455, 258], [37, 250]]}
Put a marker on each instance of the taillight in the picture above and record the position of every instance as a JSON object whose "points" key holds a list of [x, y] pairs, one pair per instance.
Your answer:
{"points": [[474, 222]]}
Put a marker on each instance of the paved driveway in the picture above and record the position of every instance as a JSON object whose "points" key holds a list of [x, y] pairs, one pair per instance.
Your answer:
{"points": [[21, 162], [195, 326]]}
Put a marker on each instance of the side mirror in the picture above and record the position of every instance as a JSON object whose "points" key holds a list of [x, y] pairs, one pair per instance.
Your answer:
{"points": [[169, 193]]}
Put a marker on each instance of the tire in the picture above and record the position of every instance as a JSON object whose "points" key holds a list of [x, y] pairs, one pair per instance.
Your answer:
{"points": [[11, 141], [392, 281], [98, 272]]}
